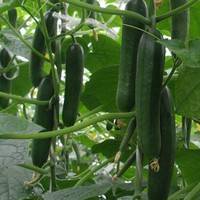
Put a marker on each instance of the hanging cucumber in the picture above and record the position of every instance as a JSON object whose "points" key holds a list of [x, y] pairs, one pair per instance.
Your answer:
{"points": [[44, 116], [149, 76], [73, 83], [159, 183], [180, 23], [125, 97], [5, 83], [12, 16], [36, 62]]}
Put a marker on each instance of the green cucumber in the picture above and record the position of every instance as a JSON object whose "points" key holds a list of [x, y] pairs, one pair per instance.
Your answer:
{"points": [[180, 22], [73, 83], [125, 97], [44, 116], [159, 183], [12, 16], [149, 76], [5, 84], [36, 62]]}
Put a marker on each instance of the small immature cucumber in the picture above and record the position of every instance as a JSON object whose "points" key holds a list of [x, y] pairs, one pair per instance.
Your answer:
{"points": [[125, 97], [44, 116], [5, 84], [180, 22], [149, 76], [36, 62], [12, 16], [159, 183], [73, 83]]}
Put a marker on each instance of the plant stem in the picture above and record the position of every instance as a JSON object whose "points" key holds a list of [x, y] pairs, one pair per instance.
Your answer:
{"points": [[76, 127], [95, 169], [88, 114], [34, 168], [48, 45], [193, 192], [176, 11], [17, 34], [22, 100], [87, 6]]}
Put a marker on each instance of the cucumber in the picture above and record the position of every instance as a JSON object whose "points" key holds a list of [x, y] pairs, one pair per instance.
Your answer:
{"points": [[159, 183], [149, 76], [5, 84], [12, 16], [73, 83], [36, 62], [44, 116], [180, 22], [125, 97]]}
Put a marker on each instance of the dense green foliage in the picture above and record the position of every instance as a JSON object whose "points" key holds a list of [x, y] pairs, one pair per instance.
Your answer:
{"points": [[91, 103]]}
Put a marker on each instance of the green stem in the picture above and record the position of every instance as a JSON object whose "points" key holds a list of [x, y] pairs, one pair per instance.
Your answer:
{"points": [[71, 32], [76, 127], [22, 100], [95, 8], [11, 67], [34, 168], [88, 114], [95, 169], [193, 192], [48, 45], [176, 11], [17, 34]]}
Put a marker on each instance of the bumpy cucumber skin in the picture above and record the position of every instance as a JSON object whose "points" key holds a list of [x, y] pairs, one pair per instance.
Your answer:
{"points": [[73, 83], [149, 76], [36, 62], [180, 24], [12, 16], [5, 85], [125, 97], [44, 116], [159, 183]]}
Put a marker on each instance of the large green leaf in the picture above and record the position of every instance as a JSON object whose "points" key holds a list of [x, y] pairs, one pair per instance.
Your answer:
{"points": [[194, 21], [188, 162], [22, 84], [102, 87], [187, 85], [13, 124], [105, 52], [79, 193], [12, 183], [10, 41]]}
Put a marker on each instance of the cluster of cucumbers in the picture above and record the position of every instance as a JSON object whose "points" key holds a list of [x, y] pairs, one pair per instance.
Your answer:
{"points": [[5, 60], [140, 87], [45, 115]]}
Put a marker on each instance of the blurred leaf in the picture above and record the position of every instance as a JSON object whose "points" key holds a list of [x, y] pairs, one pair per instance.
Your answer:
{"points": [[187, 86], [10, 41], [12, 124], [188, 162], [101, 89], [18, 86], [105, 52], [79, 193], [12, 183]]}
